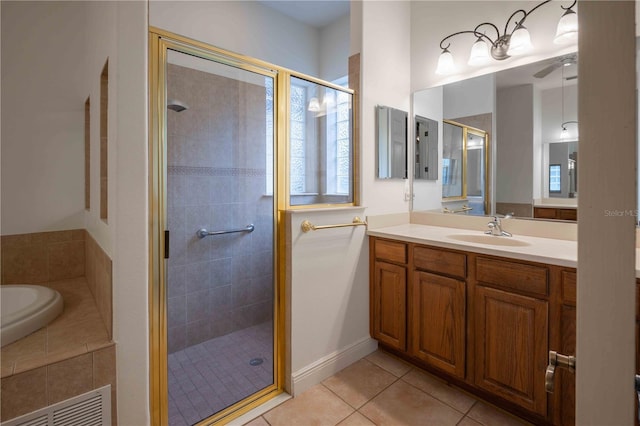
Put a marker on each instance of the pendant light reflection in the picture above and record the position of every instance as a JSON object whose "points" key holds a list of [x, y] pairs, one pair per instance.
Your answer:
{"points": [[314, 105]]}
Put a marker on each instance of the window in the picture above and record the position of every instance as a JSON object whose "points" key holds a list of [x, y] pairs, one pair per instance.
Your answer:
{"points": [[555, 180], [321, 143], [268, 86], [297, 121]]}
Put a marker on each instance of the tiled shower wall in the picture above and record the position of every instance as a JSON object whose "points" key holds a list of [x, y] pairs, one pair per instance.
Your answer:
{"points": [[217, 180]]}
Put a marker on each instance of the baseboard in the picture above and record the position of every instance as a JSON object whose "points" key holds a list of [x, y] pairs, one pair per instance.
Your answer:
{"points": [[329, 365]]}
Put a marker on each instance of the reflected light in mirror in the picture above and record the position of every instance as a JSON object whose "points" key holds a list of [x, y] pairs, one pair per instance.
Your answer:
{"points": [[314, 105]]}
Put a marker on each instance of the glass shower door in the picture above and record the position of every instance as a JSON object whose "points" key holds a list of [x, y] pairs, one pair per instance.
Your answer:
{"points": [[220, 214]]}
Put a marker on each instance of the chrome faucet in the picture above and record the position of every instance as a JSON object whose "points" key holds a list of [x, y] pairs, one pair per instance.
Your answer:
{"points": [[495, 227]]}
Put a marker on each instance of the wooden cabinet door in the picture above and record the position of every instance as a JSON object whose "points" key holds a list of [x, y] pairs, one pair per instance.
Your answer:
{"points": [[389, 305], [567, 379], [438, 322], [511, 346]]}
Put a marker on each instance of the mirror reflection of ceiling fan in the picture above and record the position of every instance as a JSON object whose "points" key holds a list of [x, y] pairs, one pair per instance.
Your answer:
{"points": [[558, 63]]}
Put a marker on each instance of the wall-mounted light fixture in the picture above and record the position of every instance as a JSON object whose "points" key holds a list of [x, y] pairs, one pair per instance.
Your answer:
{"points": [[509, 43]]}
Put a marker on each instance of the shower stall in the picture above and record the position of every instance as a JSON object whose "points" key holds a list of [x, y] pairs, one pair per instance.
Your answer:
{"points": [[215, 286], [220, 212], [234, 143]]}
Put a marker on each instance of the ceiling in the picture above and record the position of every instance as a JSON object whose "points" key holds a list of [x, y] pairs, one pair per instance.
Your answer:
{"points": [[524, 74], [316, 13]]}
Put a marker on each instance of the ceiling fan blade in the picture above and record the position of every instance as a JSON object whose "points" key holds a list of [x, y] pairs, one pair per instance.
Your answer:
{"points": [[548, 70]]}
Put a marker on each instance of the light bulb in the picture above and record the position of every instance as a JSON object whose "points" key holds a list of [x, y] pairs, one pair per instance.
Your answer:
{"points": [[567, 31], [520, 41], [314, 105], [479, 53], [445, 63]]}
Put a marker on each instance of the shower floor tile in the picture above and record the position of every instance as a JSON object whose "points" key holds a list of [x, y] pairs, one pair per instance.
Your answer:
{"points": [[210, 376]]}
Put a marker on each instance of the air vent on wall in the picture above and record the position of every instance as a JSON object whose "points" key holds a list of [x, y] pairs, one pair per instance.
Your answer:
{"points": [[89, 409]]}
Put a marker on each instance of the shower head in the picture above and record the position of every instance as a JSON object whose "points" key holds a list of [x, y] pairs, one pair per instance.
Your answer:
{"points": [[177, 106]]}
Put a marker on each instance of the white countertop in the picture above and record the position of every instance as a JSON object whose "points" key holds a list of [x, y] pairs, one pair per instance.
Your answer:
{"points": [[543, 250]]}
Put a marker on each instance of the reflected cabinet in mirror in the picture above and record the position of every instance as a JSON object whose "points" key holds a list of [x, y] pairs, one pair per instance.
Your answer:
{"points": [[509, 141], [391, 147], [426, 149]]}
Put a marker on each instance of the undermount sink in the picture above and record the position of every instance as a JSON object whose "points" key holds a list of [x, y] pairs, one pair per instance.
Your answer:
{"points": [[489, 240]]}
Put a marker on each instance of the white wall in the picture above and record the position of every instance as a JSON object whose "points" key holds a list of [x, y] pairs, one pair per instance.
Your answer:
{"points": [[130, 210], [553, 112], [334, 48], [246, 27], [48, 70], [434, 20], [385, 63], [470, 97], [514, 148], [43, 99], [329, 296]]}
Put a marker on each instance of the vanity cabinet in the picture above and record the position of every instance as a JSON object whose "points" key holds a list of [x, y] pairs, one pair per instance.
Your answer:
{"points": [[438, 309], [555, 213], [565, 394], [388, 308], [479, 321], [511, 335], [511, 330]]}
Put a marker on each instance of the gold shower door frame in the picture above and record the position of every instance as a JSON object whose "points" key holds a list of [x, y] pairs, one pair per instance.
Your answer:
{"points": [[466, 130], [160, 42]]}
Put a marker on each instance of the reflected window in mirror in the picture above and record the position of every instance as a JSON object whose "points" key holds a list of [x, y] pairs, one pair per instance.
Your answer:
{"points": [[555, 180]]}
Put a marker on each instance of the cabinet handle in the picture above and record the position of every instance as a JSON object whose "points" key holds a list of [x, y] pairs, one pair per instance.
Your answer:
{"points": [[557, 360]]}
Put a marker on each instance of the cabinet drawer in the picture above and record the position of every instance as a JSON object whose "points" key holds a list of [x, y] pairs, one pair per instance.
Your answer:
{"points": [[517, 276], [441, 261], [544, 213], [567, 214], [569, 287], [391, 251]]}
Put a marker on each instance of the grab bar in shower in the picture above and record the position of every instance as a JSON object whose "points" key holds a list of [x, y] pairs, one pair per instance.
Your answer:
{"points": [[204, 233], [308, 226]]}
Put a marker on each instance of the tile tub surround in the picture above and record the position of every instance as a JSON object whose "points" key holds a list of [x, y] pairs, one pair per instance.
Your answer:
{"points": [[71, 355], [43, 257], [216, 180], [98, 272]]}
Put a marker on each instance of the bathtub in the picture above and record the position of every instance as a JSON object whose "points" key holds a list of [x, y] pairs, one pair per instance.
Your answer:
{"points": [[25, 309]]}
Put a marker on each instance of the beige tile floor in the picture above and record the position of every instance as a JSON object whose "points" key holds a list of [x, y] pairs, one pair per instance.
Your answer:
{"points": [[383, 390]]}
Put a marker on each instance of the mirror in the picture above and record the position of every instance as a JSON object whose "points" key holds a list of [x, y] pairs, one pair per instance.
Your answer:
{"points": [[391, 147], [529, 118], [426, 149]]}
